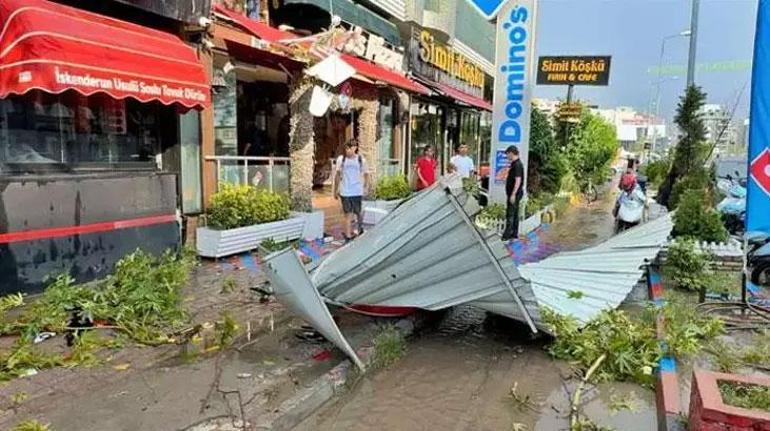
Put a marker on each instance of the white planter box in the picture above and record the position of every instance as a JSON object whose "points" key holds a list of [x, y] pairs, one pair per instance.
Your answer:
{"points": [[498, 226], [219, 243], [374, 211]]}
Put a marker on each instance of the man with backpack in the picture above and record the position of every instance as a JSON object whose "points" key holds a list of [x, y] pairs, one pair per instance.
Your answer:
{"points": [[350, 182]]}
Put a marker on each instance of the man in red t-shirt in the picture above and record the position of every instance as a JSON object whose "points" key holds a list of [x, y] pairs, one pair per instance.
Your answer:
{"points": [[426, 168]]}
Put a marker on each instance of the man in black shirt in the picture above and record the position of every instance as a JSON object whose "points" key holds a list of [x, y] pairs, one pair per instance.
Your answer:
{"points": [[514, 191]]}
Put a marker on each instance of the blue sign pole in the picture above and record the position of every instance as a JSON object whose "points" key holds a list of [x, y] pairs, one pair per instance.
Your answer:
{"points": [[758, 198]]}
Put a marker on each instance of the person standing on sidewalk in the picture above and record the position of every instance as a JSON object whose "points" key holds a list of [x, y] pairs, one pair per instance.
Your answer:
{"points": [[426, 168], [514, 191], [463, 162], [350, 182]]}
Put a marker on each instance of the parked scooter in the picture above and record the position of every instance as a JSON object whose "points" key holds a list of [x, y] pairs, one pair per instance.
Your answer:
{"points": [[733, 206], [629, 208], [758, 258]]}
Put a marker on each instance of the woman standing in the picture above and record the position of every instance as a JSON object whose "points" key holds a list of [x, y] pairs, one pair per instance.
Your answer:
{"points": [[425, 168]]}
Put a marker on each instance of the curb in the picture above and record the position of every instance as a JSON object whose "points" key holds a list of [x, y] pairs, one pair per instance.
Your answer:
{"points": [[667, 382], [307, 401]]}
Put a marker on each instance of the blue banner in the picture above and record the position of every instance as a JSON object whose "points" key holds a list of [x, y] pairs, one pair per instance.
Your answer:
{"points": [[758, 198]]}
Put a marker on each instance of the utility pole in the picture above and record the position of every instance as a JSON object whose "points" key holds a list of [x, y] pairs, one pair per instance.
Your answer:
{"points": [[693, 43]]}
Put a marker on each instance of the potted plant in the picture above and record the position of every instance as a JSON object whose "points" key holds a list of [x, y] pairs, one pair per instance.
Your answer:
{"points": [[391, 190], [239, 217]]}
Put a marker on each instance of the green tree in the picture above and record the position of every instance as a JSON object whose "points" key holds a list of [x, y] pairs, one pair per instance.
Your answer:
{"points": [[692, 148], [593, 143], [546, 163]]}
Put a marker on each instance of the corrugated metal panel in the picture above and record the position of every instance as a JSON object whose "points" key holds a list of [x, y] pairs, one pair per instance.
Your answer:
{"points": [[604, 274], [427, 254], [292, 287]]}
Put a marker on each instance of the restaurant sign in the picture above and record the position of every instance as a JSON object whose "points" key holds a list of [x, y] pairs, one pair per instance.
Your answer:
{"points": [[442, 63], [118, 86], [572, 70], [373, 48]]}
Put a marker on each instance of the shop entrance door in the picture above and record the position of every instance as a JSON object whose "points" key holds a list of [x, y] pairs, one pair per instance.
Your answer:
{"points": [[332, 131]]}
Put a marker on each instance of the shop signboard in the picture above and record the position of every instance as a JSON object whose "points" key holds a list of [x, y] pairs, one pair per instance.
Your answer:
{"points": [[573, 70], [189, 11], [373, 48], [513, 86], [501, 167], [440, 62]]}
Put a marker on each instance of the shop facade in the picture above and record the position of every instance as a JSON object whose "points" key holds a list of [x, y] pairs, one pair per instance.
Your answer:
{"points": [[99, 137], [371, 107], [457, 111]]}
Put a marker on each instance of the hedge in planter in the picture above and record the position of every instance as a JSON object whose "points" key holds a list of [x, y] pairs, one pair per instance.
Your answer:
{"points": [[237, 206], [392, 187]]}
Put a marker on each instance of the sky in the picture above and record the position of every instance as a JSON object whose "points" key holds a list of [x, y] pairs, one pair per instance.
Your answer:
{"points": [[631, 32]]}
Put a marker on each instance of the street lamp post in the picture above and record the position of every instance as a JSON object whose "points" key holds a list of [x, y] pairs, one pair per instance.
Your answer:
{"points": [[656, 99]]}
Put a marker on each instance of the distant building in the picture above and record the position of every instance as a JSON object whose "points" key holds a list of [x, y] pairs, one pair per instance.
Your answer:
{"points": [[720, 131], [634, 127]]}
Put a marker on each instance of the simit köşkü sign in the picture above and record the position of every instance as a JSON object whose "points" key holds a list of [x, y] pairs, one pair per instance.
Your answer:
{"points": [[573, 70], [513, 88]]}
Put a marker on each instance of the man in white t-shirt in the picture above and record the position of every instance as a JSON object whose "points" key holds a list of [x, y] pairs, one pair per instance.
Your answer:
{"points": [[350, 183], [462, 163]]}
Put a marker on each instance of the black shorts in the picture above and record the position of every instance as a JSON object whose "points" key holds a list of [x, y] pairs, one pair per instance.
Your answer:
{"points": [[351, 204]]}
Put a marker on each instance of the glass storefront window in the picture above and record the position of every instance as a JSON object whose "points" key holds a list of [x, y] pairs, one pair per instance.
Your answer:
{"points": [[469, 133], [40, 129]]}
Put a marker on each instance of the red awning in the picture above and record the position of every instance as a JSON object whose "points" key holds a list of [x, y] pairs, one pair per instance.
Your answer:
{"points": [[379, 73], [54, 48], [461, 96], [258, 29]]}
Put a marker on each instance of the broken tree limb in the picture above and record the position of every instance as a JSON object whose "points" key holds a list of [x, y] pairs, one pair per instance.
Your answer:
{"points": [[575, 403]]}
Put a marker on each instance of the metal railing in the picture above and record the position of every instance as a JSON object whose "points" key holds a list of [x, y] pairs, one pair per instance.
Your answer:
{"points": [[271, 173]]}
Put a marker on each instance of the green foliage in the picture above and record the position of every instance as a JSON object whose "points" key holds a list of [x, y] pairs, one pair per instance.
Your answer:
{"points": [[537, 202], [392, 187], [747, 396], [546, 165], [229, 285], [142, 300], [696, 219], [692, 149], [631, 346], [31, 425], [389, 347], [630, 343], [270, 245], [242, 205], [592, 146], [471, 186], [686, 330], [699, 180], [575, 294], [686, 266], [226, 330], [656, 171], [494, 211]]}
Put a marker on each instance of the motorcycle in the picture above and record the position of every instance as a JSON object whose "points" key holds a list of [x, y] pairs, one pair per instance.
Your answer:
{"points": [[733, 206], [758, 258], [629, 208]]}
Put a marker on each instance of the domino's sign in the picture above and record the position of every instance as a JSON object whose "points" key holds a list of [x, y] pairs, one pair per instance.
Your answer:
{"points": [[758, 198], [514, 80]]}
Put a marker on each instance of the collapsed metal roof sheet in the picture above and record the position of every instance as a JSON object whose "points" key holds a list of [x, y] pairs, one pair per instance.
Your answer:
{"points": [[427, 253], [583, 283]]}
